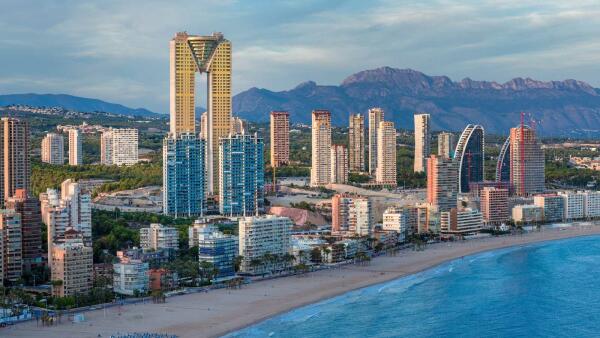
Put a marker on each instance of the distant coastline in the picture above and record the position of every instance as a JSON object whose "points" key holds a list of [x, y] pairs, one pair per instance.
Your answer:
{"points": [[222, 312]]}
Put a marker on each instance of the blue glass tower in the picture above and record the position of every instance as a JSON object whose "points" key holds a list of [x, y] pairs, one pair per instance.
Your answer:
{"points": [[241, 175], [184, 175]]}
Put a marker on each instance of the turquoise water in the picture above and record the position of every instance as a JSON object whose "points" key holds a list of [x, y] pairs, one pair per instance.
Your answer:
{"points": [[541, 290]]}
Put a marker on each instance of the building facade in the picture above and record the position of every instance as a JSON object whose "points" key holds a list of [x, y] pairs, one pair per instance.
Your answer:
{"points": [[365, 222], [131, 277], [376, 115], [204, 54], [75, 147], [11, 245], [280, 138], [446, 144], [494, 205], [53, 149], [31, 228], [158, 236], [553, 206], [119, 146], [184, 175], [470, 154], [356, 143], [574, 204], [15, 162], [260, 235], [339, 164], [461, 222], [241, 175], [71, 266], [343, 217], [385, 174], [442, 182], [320, 171], [422, 141], [527, 213], [218, 249], [526, 161]]}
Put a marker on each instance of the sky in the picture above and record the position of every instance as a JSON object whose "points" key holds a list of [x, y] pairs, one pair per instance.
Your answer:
{"points": [[118, 50]]}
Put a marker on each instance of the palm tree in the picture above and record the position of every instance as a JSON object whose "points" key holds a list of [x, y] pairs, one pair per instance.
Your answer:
{"points": [[237, 263], [205, 270], [327, 251], [288, 259], [255, 263]]}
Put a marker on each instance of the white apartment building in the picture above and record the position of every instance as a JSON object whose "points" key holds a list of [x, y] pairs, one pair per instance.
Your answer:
{"points": [[75, 147], [422, 141], [130, 276], [376, 115], [158, 236], [526, 213], [259, 235], [395, 220], [574, 205], [53, 149], [364, 216], [461, 222], [592, 204], [385, 173], [119, 146]]}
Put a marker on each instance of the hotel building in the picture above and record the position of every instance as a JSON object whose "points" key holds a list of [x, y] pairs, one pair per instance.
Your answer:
{"points": [[526, 162], [422, 141], [280, 138], [259, 235], [53, 149], [320, 171], [241, 175], [494, 205], [461, 222]]}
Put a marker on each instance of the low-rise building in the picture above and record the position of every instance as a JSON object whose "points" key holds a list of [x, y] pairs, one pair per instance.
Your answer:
{"points": [[218, 249], [131, 277], [527, 213], [553, 206], [461, 222]]}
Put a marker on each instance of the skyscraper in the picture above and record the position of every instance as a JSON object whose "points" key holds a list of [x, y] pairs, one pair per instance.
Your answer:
{"points": [[16, 167], [446, 144], [184, 175], [526, 161], [422, 141], [442, 182], [119, 146], [376, 115], [75, 147], [53, 149], [356, 143], [280, 138], [503, 163], [204, 54], [470, 154], [320, 171], [386, 154], [79, 203], [241, 175], [31, 227], [339, 164]]}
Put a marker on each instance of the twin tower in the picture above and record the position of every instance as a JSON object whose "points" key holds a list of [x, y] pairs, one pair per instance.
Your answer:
{"points": [[191, 54]]}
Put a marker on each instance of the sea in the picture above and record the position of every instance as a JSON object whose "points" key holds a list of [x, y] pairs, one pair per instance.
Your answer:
{"points": [[549, 289]]}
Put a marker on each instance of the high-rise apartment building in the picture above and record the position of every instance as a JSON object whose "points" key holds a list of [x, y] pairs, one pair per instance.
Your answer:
{"points": [[241, 175], [260, 235], [446, 144], [71, 265], [320, 171], [356, 143], [339, 164], [343, 217], [386, 154], [442, 182], [204, 126], [364, 216], [15, 163], [204, 54], [574, 204], [470, 154], [526, 161], [494, 205], [280, 138], [53, 149], [184, 175], [31, 227], [238, 125], [422, 141], [75, 147], [158, 236], [218, 249], [376, 115], [11, 245], [119, 146]]}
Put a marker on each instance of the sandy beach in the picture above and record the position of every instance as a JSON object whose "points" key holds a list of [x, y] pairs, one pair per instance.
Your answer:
{"points": [[218, 312]]}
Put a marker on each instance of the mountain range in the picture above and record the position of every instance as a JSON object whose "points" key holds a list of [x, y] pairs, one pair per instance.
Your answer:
{"points": [[567, 108], [70, 102]]}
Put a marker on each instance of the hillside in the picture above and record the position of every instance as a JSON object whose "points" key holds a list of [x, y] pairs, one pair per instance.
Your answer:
{"points": [[71, 102], [567, 108]]}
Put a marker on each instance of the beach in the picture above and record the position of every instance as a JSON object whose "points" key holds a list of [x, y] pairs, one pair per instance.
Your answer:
{"points": [[218, 312]]}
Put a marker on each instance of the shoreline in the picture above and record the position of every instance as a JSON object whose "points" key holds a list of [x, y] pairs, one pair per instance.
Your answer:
{"points": [[222, 312]]}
